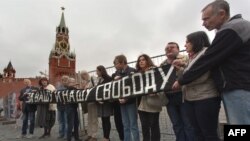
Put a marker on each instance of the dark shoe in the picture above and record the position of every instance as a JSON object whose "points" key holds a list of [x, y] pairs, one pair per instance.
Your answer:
{"points": [[104, 139], [60, 137], [88, 138], [93, 139], [43, 136]]}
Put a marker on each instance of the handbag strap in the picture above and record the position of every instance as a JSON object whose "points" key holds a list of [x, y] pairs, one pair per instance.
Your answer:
{"points": [[92, 81]]}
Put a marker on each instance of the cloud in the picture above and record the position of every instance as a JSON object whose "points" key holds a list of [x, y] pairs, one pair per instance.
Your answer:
{"points": [[98, 30]]}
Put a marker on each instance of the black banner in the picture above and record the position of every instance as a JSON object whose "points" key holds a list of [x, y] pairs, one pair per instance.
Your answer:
{"points": [[152, 81]]}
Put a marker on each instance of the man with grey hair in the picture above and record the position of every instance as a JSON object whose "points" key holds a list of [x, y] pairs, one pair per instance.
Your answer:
{"points": [[228, 59], [27, 109]]}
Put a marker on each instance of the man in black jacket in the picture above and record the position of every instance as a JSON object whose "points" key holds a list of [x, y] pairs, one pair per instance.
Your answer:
{"points": [[27, 109], [228, 59], [116, 106]]}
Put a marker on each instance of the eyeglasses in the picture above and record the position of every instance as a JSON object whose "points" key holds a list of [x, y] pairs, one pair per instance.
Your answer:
{"points": [[116, 63], [171, 47]]}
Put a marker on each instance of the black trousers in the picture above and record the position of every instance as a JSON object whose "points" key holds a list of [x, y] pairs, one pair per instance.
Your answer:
{"points": [[204, 115], [106, 126], [118, 120], [150, 126]]}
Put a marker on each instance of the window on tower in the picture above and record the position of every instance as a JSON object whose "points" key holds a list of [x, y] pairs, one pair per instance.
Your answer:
{"points": [[63, 30]]}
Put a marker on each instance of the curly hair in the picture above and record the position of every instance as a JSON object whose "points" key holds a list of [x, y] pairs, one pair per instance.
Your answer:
{"points": [[149, 62], [43, 79]]}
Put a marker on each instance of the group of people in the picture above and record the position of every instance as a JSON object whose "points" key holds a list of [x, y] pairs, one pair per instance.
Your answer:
{"points": [[46, 113], [211, 72], [215, 71]]}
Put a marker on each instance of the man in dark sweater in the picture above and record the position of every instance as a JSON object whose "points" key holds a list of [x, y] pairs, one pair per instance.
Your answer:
{"points": [[228, 60], [27, 109], [128, 105]]}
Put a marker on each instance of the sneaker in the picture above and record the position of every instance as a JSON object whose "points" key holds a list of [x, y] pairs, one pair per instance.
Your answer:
{"points": [[21, 136], [30, 136]]}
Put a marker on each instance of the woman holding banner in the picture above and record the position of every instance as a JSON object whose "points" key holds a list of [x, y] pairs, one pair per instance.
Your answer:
{"points": [[149, 111], [104, 108], [201, 96], [46, 113], [92, 128]]}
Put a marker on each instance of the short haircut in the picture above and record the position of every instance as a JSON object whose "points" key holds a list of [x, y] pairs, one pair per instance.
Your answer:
{"points": [[65, 77], [85, 72], [174, 43], [72, 80], [121, 59], [199, 40], [218, 5], [27, 81]]}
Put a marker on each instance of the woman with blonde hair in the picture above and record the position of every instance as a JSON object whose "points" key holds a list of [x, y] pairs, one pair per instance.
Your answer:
{"points": [[88, 82]]}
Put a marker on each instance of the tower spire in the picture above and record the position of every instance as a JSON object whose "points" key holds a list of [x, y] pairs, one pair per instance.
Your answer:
{"points": [[9, 65], [9, 71], [62, 37], [62, 22]]}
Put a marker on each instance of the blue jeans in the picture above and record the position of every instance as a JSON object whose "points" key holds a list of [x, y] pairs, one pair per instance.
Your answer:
{"points": [[236, 104], [129, 120], [72, 121], [177, 113], [28, 116], [204, 115], [62, 121]]}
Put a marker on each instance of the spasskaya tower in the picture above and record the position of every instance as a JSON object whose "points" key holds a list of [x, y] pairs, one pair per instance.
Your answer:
{"points": [[61, 60]]}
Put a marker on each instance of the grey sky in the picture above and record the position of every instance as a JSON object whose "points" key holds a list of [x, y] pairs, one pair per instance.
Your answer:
{"points": [[98, 29]]}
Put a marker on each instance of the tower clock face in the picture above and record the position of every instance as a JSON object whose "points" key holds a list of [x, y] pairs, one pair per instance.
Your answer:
{"points": [[63, 45]]}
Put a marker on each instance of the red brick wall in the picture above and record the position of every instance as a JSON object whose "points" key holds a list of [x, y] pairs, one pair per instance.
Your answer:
{"points": [[60, 66], [15, 86]]}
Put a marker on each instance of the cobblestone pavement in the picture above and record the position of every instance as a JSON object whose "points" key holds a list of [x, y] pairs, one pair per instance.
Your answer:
{"points": [[10, 132]]}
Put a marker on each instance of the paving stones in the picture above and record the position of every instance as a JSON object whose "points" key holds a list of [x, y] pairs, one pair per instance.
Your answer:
{"points": [[11, 132]]}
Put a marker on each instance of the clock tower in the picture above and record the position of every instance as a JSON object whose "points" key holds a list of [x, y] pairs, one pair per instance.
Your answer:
{"points": [[61, 60]]}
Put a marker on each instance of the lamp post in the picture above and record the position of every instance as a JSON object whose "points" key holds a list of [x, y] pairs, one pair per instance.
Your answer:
{"points": [[44, 73]]}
